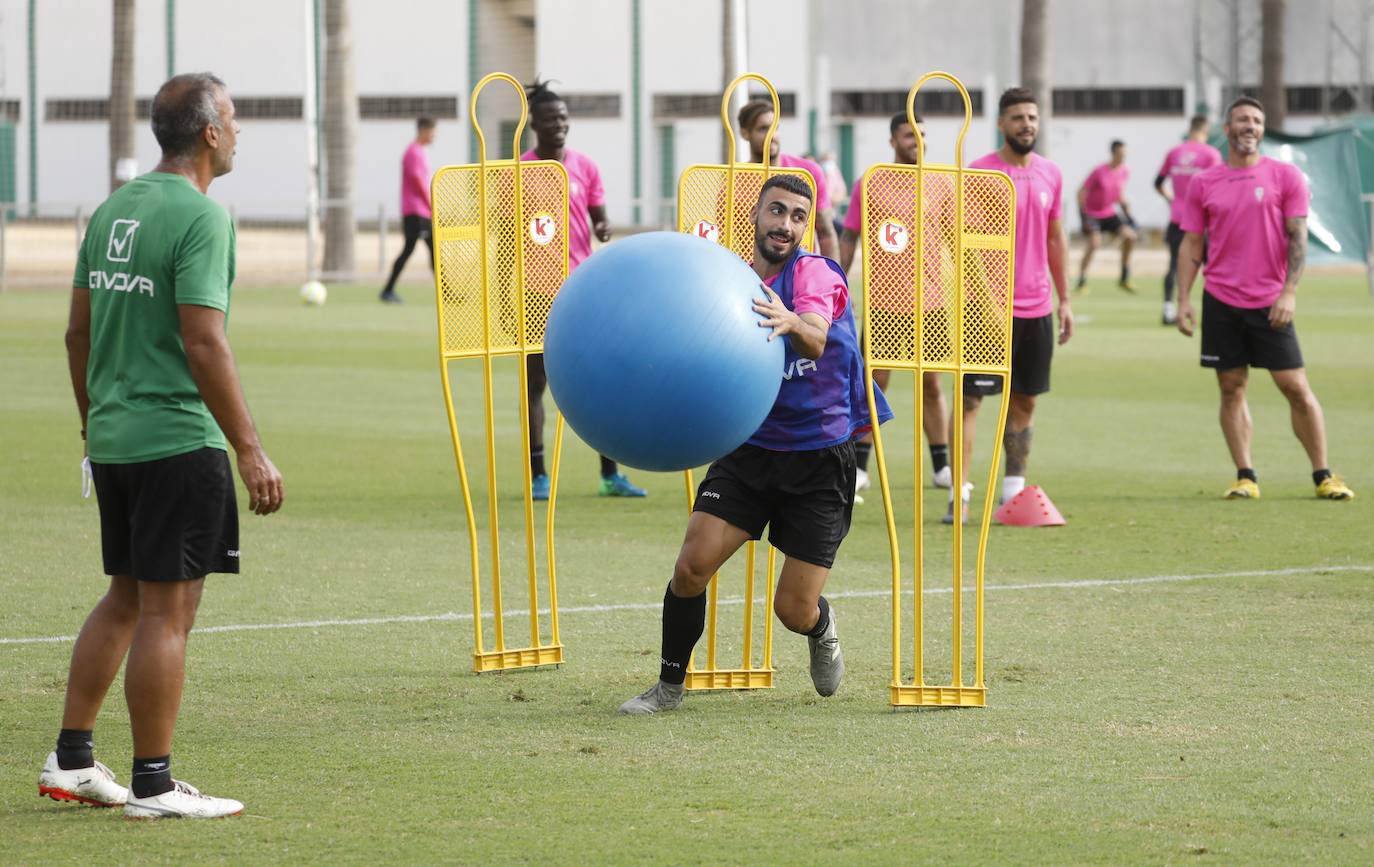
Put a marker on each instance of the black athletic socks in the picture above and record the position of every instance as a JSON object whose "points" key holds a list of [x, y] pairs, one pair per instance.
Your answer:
{"points": [[608, 467], [537, 463], [1249, 473], [683, 622], [939, 457], [151, 777], [1125, 274], [1320, 476], [822, 622], [75, 749], [861, 451]]}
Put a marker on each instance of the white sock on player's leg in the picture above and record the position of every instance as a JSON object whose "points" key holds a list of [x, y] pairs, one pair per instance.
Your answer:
{"points": [[1011, 486]]}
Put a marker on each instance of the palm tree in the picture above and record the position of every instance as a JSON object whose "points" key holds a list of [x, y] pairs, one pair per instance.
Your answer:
{"points": [[340, 135], [1035, 61], [1271, 63], [121, 90]]}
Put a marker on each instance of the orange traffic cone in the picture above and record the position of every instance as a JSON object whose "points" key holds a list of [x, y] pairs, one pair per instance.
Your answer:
{"points": [[1030, 508]]}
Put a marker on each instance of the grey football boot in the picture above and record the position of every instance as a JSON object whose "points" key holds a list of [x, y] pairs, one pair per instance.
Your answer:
{"points": [[660, 697], [827, 662]]}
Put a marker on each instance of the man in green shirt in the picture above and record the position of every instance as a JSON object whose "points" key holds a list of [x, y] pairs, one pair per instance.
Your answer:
{"points": [[160, 400]]}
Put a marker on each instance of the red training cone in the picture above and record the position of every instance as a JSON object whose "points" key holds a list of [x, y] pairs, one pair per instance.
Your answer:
{"points": [[1030, 508]]}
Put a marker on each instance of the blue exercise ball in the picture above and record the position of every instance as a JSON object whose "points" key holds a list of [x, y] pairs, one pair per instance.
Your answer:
{"points": [[654, 352]]}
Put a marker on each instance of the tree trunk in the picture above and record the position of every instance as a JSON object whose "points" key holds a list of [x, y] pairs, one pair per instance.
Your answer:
{"points": [[1272, 92], [340, 135], [1035, 62], [123, 164]]}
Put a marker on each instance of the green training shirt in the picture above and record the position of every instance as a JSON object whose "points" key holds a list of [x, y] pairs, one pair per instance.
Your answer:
{"points": [[155, 243]]}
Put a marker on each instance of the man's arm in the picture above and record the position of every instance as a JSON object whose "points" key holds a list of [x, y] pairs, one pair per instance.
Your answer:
{"points": [[79, 349], [601, 224], [1281, 312], [1057, 249], [848, 242], [807, 332], [1189, 263], [826, 242], [212, 366], [1159, 188]]}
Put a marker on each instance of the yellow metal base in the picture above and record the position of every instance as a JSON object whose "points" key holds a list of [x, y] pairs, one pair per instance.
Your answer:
{"points": [[730, 678], [523, 657], [938, 696]]}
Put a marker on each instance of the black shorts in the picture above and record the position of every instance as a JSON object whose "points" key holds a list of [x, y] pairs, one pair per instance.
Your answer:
{"points": [[172, 519], [806, 499], [1111, 225], [1240, 337], [1032, 348]]}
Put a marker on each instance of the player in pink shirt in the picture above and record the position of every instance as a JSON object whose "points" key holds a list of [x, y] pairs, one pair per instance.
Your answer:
{"points": [[1098, 200], [1039, 258], [1253, 212], [586, 200], [754, 119], [935, 412], [415, 212], [1181, 164]]}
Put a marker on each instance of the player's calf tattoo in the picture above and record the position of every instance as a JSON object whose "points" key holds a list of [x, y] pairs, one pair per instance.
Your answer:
{"points": [[1017, 444]]}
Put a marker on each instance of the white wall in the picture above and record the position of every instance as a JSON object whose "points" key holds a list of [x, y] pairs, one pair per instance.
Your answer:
{"points": [[420, 47]]}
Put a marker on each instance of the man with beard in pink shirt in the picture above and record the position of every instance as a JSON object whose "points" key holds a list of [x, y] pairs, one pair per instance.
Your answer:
{"points": [[1253, 212], [1039, 259]]}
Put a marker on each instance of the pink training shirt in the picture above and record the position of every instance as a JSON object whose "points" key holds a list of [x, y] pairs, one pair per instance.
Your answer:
{"points": [[1181, 165], [1104, 188], [816, 288], [584, 193], [791, 162], [1243, 214], [895, 246], [415, 177], [1039, 202]]}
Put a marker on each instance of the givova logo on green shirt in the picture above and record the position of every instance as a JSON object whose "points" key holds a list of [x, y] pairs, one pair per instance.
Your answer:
{"points": [[120, 248]]}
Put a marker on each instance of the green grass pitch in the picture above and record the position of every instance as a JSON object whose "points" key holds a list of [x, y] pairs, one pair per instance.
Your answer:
{"points": [[1226, 714]]}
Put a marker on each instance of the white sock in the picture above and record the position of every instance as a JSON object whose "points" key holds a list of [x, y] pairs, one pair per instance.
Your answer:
{"points": [[1011, 486], [968, 489]]}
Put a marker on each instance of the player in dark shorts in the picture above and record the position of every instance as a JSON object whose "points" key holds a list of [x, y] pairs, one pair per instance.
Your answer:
{"points": [[795, 475], [1181, 164], [1103, 208], [416, 213], [1252, 209], [160, 401], [934, 410], [587, 217], [1039, 260]]}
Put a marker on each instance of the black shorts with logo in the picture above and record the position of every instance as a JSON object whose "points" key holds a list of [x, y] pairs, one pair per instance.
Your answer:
{"points": [[1032, 349], [1240, 337], [806, 499], [172, 519]]}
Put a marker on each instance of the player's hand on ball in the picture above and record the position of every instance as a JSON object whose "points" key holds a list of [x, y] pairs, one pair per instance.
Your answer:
{"points": [[263, 481], [1187, 320], [775, 314]]}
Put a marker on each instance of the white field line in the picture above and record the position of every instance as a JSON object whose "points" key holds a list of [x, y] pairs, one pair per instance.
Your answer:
{"points": [[737, 600]]}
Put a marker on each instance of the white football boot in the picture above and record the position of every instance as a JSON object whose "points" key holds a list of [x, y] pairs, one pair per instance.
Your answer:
{"points": [[184, 801], [95, 785]]}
